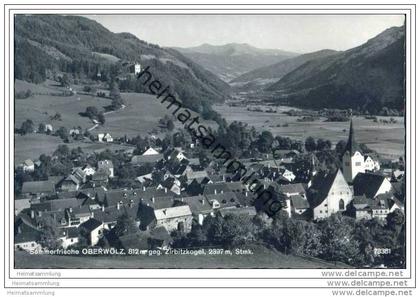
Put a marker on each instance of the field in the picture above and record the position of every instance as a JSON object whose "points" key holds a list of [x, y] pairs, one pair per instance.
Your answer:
{"points": [[386, 139], [262, 258], [33, 145], [139, 117], [39, 108]]}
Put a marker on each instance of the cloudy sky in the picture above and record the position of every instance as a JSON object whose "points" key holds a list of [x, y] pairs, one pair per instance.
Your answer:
{"points": [[297, 33]]}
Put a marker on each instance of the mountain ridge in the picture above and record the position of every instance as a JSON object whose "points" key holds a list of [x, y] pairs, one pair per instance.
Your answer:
{"points": [[368, 77], [230, 60]]}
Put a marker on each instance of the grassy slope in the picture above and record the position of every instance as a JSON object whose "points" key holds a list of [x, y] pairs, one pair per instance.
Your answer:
{"points": [[262, 258]]}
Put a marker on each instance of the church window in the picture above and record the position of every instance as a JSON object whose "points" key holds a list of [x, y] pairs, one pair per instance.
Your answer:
{"points": [[341, 204]]}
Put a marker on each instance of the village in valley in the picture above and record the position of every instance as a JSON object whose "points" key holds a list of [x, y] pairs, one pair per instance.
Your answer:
{"points": [[340, 202]]}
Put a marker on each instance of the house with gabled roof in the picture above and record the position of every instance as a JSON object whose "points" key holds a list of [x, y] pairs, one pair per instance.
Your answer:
{"points": [[328, 193], [69, 237], [199, 205], [93, 230], [150, 151], [174, 218], [38, 188], [28, 166], [371, 185], [141, 160], [70, 183]]}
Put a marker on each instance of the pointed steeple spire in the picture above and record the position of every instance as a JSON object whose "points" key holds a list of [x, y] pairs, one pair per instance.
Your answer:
{"points": [[352, 145]]}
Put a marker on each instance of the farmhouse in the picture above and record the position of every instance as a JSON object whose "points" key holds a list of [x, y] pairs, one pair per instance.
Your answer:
{"points": [[28, 166], [38, 188], [105, 137]]}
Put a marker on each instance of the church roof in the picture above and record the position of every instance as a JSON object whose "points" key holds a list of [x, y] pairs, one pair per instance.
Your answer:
{"points": [[352, 145]]}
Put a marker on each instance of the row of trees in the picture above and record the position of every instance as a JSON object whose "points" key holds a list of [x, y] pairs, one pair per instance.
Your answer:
{"points": [[337, 238]]}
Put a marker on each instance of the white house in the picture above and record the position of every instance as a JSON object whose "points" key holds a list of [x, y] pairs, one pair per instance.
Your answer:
{"points": [[105, 137], [329, 193], [137, 68], [88, 170], [371, 164], [94, 230], [174, 218], [28, 166], [150, 151]]}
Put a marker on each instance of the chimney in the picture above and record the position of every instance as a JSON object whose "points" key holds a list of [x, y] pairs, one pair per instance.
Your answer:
{"points": [[103, 208], [118, 206], [70, 209], [215, 191], [153, 199], [144, 188], [202, 201], [166, 190], [32, 214], [92, 214], [246, 194], [221, 191], [223, 177]]}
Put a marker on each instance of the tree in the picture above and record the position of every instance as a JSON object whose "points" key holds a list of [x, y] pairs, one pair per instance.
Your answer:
{"points": [[50, 233], [62, 133], [265, 141], [310, 144], [340, 147], [101, 118], [114, 91], [323, 144], [125, 225], [41, 128], [91, 112], [170, 125], [27, 127], [338, 240], [64, 80]]}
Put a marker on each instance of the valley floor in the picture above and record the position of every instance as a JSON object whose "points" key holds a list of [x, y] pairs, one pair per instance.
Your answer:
{"points": [[387, 139]]}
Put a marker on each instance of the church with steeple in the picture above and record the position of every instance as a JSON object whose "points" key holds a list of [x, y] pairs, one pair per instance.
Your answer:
{"points": [[354, 161]]}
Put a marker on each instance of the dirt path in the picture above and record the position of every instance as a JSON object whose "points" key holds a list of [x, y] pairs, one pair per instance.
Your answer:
{"points": [[106, 113]]}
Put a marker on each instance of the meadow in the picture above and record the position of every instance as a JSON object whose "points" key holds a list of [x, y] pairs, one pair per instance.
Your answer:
{"points": [[262, 258], [386, 139]]}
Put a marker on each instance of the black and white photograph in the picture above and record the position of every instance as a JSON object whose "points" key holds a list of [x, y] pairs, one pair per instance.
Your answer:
{"points": [[172, 141]]}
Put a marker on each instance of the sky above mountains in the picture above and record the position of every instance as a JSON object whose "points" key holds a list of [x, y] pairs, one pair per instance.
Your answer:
{"points": [[296, 33]]}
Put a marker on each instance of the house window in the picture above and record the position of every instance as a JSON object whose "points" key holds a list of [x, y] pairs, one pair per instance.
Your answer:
{"points": [[358, 164], [325, 205], [347, 163], [320, 211]]}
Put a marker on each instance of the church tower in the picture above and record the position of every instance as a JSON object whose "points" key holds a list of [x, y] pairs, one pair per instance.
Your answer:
{"points": [[353, 160]]}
